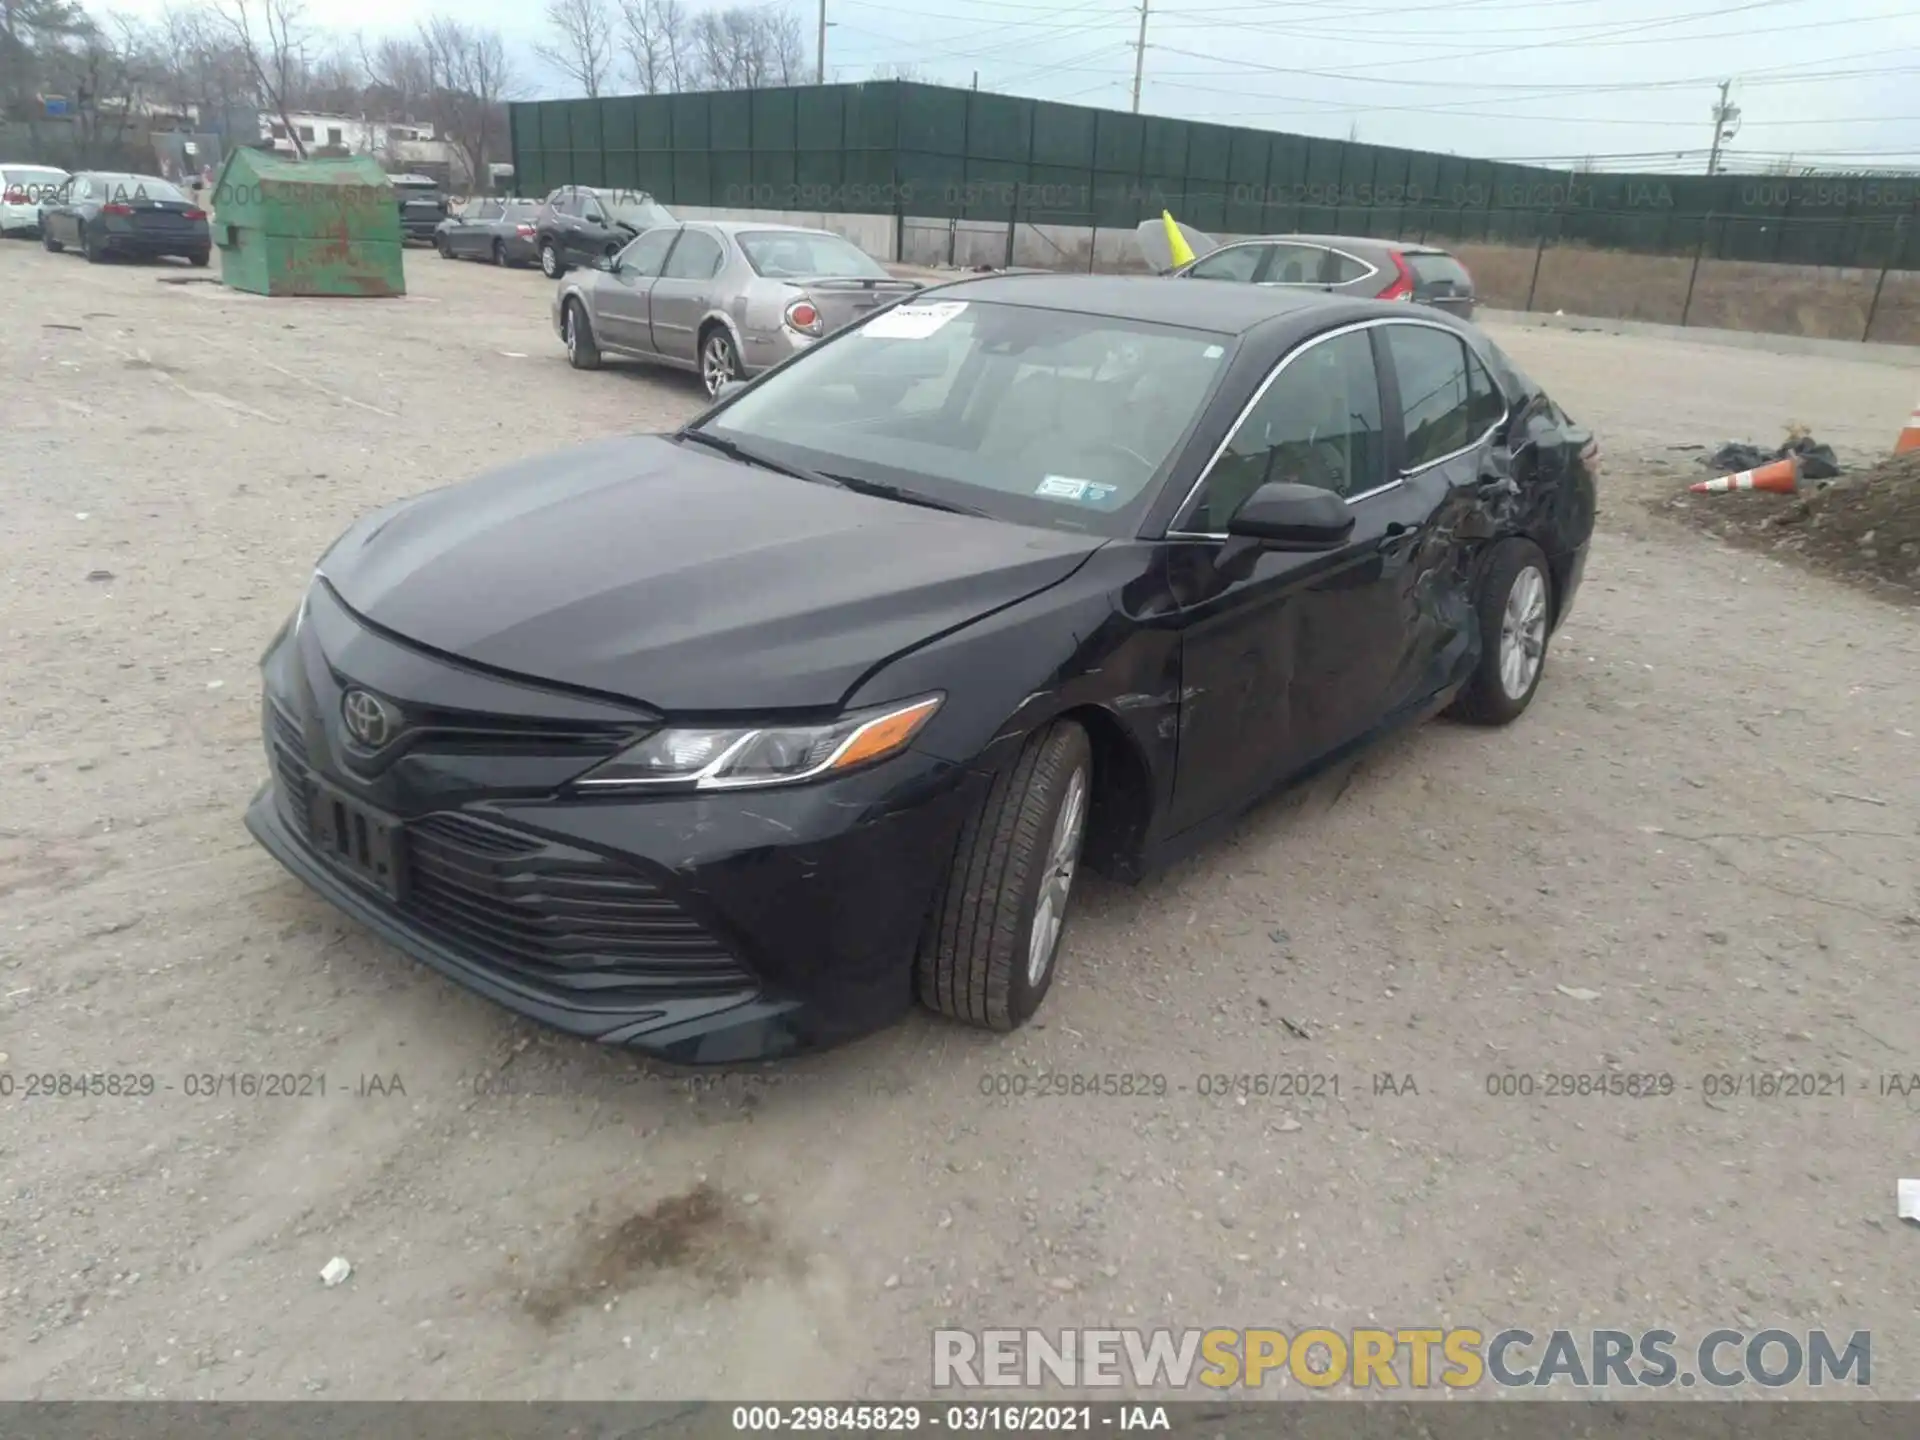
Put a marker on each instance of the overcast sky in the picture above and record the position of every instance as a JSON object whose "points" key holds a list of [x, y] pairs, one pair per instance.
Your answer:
{"points": [[1836, 80]]}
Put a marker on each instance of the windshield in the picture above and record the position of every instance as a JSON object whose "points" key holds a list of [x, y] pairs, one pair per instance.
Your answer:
{"points": [[522, 210], [120, 189], [1036, 416], [793, 254], [638, 211]]}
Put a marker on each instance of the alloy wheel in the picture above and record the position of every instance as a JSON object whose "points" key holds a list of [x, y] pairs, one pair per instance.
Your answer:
{"points": [[1523, 632], [1056, 885]]}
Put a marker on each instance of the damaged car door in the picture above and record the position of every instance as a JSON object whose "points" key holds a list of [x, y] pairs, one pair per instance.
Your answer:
{"points": [[1280, 662]]}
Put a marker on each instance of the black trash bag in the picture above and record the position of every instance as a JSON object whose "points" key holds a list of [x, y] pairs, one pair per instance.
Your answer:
{"points": [[1817, 461]]}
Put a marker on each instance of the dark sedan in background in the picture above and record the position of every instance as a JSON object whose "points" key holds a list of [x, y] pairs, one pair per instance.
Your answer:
{"points": [[582, 224], [732, 741], [422, 204], [497, 230], [107, 215]]}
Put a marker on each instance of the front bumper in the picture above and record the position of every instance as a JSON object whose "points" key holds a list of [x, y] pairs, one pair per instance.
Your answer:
{"points": [[720, 928]]}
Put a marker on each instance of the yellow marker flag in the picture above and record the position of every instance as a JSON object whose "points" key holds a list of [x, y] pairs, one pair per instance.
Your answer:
{"points": [[1176, 242]]}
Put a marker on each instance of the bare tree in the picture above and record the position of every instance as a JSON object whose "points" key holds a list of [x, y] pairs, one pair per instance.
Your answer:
{"points": [[203, 68], [272, 35], [655, 36], [742, 48], [582, 45], [400, 77], [472, 76]]}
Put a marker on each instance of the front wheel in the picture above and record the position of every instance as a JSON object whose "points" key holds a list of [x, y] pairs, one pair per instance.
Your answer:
{"points": [[582, 352], [988, 953], [446, 250], [500, 254], [51, 245], [1513, 608], [550, 265], [719, 362]]}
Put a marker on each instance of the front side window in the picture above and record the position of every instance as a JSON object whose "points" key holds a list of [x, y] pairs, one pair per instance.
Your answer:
{"points": [[1036, 416], [1318, 423], [1236, 262], [1431, 366], [648, 254]]}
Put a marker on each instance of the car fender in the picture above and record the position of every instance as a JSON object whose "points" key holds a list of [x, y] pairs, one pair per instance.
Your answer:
{"points": [[566, 288], [715, 314]]}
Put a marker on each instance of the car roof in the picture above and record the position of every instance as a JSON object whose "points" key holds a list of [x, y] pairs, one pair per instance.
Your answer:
{"points": [[1160, 299], [1375, 242], [738, 227], [31, 165]]}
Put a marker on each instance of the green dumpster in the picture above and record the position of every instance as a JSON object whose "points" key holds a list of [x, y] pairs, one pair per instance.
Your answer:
{"points": [[307, 227]]}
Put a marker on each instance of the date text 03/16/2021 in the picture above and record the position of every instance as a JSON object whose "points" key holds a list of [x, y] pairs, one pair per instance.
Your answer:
{"points": [[968, 1419]]}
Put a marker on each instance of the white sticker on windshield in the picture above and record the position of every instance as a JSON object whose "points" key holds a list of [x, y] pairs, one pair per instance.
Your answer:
{"points": [[912, 322], [1214, 352], [1065, 487]]}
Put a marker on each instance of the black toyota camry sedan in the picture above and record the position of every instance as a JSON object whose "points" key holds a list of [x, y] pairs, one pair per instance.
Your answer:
{"points": [[730, 742]]}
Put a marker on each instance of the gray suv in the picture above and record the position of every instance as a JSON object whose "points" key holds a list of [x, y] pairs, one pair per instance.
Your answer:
{"points": [[1351, 265]]}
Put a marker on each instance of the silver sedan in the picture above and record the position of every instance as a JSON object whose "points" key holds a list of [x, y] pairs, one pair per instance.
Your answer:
{"points": [[723, 298]]}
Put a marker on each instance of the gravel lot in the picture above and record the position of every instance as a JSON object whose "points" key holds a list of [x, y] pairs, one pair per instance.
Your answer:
{"points": [[1706, 824]]}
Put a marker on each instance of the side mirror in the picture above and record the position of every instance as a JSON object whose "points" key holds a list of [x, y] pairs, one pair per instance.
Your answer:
{"points": [[605, 262], [1292, 517], [728, 388]]}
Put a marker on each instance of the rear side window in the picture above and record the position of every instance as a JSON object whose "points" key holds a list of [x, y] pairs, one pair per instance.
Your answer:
{"points": [[1431, 268], [1344, 269], [1236, 262], [1435, 399], [696, 257], [1295, 265], [1486, 406]]}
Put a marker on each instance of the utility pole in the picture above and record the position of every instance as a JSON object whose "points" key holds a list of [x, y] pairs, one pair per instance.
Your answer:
{"points": [[1139, 56], [820, 49], [1726, 121]]}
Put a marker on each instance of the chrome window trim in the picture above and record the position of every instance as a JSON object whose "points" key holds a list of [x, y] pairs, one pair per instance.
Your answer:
{"points": [[1173, 532]]}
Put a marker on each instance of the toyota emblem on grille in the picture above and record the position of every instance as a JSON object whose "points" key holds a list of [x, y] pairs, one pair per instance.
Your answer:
{"points": [[368, 719]]}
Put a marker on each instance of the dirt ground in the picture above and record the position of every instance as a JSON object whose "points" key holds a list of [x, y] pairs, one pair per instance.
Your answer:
{"points": [[1695, 856]]}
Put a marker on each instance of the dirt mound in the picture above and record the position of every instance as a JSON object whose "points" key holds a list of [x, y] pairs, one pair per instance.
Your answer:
{"points": [[1864, 527]]}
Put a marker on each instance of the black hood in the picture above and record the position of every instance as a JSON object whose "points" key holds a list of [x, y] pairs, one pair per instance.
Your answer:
{"points": [[661, 573]]}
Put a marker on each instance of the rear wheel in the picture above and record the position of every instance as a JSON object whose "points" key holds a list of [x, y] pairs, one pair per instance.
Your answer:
{"points": [[200, 258], [582, 352], [500, 254], [1513, 608], [90, 247], [989, 950], [719, 361], [52, 245]]}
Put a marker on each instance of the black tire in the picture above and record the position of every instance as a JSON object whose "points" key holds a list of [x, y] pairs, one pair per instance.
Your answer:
{"points": [[91, 247], [446, 250], [975, 960], [1488, 698], [500, 254], [199, 258], [551, 265], [719, 361], [52, 246], [582, 352]]}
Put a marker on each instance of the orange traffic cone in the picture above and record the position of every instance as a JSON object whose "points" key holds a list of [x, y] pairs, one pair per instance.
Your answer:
{"points": [[1909, 437], [1782, 477]]}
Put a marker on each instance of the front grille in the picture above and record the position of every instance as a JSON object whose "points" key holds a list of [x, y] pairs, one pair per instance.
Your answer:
{"points": [[564, 917], [585, 929]]}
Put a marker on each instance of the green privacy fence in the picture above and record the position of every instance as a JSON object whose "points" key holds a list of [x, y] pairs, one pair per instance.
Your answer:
{"points": [[892, 147]]}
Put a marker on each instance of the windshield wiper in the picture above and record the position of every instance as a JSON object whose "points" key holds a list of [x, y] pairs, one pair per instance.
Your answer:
{"points": [[734, 450], [879, 489]]}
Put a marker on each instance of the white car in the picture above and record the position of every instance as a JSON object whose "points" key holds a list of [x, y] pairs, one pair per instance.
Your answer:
{"points": [[23, 190]]}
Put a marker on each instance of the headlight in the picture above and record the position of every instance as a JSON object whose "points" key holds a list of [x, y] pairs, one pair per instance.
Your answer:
{"points": [[737, 758]]}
